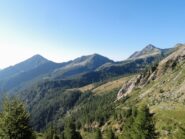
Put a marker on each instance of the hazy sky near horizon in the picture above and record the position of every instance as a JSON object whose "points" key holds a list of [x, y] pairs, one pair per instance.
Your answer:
{"points": [[61, 30]]}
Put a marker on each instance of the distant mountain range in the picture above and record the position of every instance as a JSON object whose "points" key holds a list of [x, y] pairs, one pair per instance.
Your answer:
{"points": [[89, 68], [38, 68]]}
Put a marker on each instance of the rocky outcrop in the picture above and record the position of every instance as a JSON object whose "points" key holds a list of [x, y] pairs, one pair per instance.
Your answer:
{"points": [[172, 60], [154, 72], [126, 89]]}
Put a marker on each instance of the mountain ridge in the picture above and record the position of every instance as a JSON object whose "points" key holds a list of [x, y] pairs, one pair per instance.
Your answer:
{"points": [[93, 67], [81, 64], [23, 66], [147, 51], [37, 67]]}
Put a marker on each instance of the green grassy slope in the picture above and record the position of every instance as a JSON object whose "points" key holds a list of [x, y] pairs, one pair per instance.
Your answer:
{"points": [[165, 95]]}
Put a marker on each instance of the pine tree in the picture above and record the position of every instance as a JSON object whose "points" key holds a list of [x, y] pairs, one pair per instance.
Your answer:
{"points": [[14, 120], [62, 136], [98, 134], [110, 134], [144, 127], [51, 133], [70, 130], [139, 125]]}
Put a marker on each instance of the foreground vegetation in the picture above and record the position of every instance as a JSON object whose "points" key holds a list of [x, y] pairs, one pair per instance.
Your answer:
{"points": [[15, 124], [14, 121]]}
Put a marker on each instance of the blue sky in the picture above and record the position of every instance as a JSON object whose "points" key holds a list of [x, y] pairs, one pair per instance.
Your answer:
{"points": [[65, 29]]}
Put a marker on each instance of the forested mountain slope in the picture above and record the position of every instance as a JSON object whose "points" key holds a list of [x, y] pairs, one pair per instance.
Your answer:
{"points": [[51, 99], [157, 95]]}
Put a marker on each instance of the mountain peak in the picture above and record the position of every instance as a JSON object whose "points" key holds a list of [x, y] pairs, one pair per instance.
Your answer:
{"points": [[39, 57], [81, 65], [90, 58], [149, 50], [36, 60], [25, 66], [97, 58], [95, 55], [150, 47], [179, 45]]}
